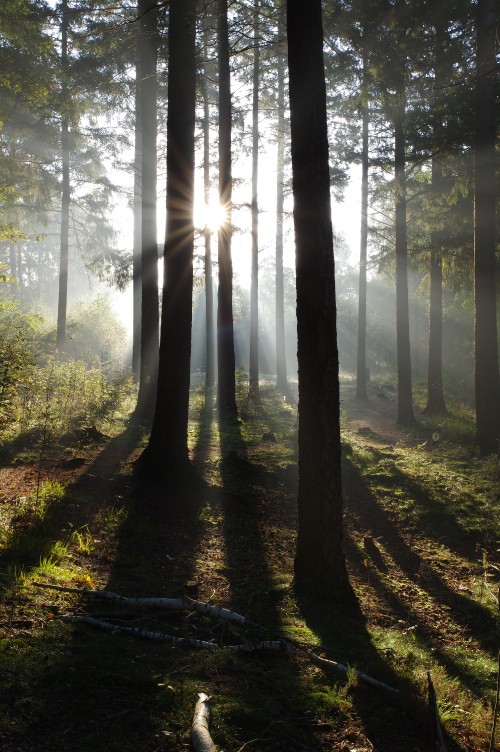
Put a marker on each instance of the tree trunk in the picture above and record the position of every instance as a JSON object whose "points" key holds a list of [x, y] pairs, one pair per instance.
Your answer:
{"points": [[62, 301], [405, 403], [485, 327], [209, 297], [281, 372], [148, 14], [226, 384], [319, 559], [253, 374], [435, 395], [361, 392], [137, 252], [168, 449]]}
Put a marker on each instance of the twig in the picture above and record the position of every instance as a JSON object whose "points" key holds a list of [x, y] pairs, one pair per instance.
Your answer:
{"points": [[495, 711], [200, 734]]}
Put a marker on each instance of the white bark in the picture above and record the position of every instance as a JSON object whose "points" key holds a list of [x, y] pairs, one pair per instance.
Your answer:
{"points": [[200, 734]]}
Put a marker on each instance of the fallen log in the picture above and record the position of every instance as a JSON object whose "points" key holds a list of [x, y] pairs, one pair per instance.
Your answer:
{"points": [[200, 734], [183, 603], [246, 647]]}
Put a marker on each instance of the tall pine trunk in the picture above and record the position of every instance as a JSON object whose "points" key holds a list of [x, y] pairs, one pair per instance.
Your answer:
{"points": [[226, 384], [209, 295], [254, 284], [137, 250], [168, 449], [148, 43], [281, 371], [405, 415], [319, 559], [435, 395], [485, 327], [361, 392], [62, 301]]}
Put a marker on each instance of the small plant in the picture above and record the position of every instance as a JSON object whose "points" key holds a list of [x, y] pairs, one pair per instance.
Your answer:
{"points": [[83, 541]]}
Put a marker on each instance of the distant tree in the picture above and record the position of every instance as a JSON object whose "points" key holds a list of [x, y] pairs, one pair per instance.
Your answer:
{"points": [[361, 376], [167, 451], [435, 394], [485, 327], [137, 246], [281, 370], [226, 384], [62, 304], [319, 559], [253, 374], [209, 297]]}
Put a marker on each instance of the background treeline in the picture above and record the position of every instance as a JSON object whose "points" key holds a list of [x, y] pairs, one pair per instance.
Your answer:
{"points": [[83, 129]]}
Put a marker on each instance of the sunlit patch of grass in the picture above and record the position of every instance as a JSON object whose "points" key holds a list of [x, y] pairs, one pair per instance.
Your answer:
{"points": [[83, 541]]}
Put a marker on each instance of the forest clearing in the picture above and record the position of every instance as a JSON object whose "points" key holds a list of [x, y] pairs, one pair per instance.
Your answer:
{"points": [[421, 539]]}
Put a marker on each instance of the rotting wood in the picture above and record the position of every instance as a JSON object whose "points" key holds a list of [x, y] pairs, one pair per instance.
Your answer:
{"points": [[200, 734]]}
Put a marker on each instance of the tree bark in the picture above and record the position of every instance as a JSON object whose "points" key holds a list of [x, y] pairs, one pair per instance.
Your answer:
{"points": [[319, 559], [226, 384], [487, 387]]}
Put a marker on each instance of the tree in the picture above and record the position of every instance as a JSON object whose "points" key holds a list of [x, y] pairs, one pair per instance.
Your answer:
{"points": [[281, 372], [209, 298], [226, 385], [65, 186], [487, 385], [167, 451], [361, 379], [148, 43], [319, 559], [254, 289]]}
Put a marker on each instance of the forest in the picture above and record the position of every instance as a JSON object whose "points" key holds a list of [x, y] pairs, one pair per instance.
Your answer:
{"points": [[249, 376]]}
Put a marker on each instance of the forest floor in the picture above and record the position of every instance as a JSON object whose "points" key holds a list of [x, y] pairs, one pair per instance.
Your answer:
{"points": [[421, 540]]}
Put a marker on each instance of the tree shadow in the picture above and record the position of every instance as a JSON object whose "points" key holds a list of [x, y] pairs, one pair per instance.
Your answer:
{"points": [[369, 518]]}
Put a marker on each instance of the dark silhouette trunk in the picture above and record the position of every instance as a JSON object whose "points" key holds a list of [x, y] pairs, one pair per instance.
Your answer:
{"points": [[209, 296], [62, 300], [149, 262], [319, 559], [167, 451], [281, 371], [254, 285], [405, 402], [485, 327], [226, 384], [361, 375], [137, 252]]}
